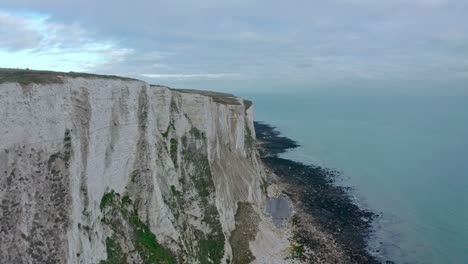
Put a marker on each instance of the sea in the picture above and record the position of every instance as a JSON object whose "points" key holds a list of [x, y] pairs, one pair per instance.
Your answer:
{"points": [[405, 157]]}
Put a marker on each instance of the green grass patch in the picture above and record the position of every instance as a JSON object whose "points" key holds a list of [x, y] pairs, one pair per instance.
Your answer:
{"points": [[168, 129], [26, 77], [121, 213], [222, 98], [211, 250], [106, 199], [173, 150], [175, 192], [114, 253], [126, 200], [147, 245], [297, 249]]}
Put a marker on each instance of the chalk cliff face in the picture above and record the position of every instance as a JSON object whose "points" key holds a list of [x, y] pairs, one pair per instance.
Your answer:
{"points": [[98, 170]]}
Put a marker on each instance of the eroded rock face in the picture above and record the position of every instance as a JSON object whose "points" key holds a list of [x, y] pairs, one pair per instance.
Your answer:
{"points": [[184, 160], [35, 197]]}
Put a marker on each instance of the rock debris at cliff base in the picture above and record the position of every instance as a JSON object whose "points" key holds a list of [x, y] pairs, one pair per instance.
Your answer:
{"points": [[327, 222]]}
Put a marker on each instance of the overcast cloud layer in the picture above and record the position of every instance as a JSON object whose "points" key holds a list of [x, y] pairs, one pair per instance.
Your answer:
{"points": [[256, 44]]}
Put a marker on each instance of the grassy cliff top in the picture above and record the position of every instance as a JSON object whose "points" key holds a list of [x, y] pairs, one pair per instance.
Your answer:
{"points": [[222, 98], [26, 77]]}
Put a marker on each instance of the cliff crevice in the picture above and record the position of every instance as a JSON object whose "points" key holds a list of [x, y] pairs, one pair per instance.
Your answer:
{"points": [[177, 164]]}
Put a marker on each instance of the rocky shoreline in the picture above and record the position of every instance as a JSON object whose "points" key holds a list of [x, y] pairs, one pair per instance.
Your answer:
{"points": [[326, 222]]}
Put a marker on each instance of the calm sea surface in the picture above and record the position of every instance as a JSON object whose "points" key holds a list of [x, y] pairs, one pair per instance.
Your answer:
{"points": [[406, 157]]}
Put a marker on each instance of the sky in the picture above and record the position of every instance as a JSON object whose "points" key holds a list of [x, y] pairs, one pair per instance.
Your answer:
{"points": [[245, 45]]}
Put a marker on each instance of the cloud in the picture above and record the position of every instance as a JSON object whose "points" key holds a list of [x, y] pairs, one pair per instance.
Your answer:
{"points": [[38, 42], [18, 33], [198, 76], [263, 41]]}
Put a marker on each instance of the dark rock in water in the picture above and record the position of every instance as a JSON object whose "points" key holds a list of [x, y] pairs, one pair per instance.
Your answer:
{"points": [[312, 188], [272, 142]]}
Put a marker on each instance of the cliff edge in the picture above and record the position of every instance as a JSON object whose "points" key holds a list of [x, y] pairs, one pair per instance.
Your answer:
{"points": [[104, 169]]}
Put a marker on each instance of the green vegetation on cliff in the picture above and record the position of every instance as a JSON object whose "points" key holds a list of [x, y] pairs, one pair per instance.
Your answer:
{"points": [[114, 253], [26, 77], [168, 129], [123, 219], [198, 176], [173, 151]]}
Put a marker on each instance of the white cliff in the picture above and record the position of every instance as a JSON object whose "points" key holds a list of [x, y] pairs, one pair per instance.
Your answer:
{"points": [[91, 168]]}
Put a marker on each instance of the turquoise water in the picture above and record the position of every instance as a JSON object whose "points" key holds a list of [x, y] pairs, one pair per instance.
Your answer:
{"points": [[406, 157]]}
